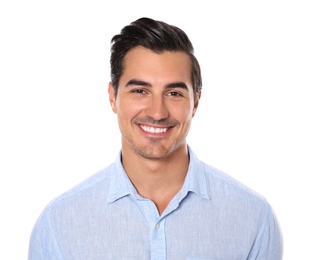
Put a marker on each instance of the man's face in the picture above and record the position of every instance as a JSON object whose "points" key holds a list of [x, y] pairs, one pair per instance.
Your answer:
{"points": [[155, 102]]}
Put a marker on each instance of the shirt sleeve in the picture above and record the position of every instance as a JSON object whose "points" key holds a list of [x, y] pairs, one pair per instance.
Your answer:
{"points": [[269, 243], [43, 244]]}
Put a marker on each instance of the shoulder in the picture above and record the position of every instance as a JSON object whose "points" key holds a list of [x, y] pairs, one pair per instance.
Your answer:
{"points": [[44, 236], [70, 203], [223, 186], [225, 190], [96, 183], [220, 185], [246, 206], [94, 187]]}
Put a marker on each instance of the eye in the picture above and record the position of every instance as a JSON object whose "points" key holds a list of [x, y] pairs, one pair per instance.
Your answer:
{"points": [[138, 91], [174, 94]]}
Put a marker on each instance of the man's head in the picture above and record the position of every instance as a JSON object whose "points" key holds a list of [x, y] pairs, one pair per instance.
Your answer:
{"points": [[155, 88], [154, 35]]}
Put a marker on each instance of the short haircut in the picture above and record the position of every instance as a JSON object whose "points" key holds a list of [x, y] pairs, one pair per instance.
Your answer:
{"points": [[157, 36]]}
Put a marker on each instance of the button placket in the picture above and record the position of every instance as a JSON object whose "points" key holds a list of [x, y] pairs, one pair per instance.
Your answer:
{"points": [[158, 242]]}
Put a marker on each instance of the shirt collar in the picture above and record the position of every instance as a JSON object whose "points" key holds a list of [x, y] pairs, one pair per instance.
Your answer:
{"points": [[196, 180], [120, 184]]}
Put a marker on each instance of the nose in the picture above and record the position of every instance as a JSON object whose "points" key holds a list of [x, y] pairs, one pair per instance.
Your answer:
{"points": [[156, 108]]}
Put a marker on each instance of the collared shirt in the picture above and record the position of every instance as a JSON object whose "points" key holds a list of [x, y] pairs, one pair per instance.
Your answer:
{"points": [[212, 217]]}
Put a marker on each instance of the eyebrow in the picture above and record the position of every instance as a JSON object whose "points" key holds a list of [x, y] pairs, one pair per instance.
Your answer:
{"points": [[181, 85], [136, 82]]}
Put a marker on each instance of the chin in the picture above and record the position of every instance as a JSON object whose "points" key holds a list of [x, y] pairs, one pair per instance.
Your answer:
{"points": [[155, 152], [153, 155]]}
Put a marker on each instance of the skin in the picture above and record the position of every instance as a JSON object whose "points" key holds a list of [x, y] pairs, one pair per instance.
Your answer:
{"points": [[155, 105]]}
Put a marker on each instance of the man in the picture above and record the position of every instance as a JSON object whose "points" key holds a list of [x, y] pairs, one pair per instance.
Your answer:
{"points": [[157, 200]]}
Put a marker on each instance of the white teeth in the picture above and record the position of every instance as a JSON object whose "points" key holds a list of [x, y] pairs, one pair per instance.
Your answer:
{"points": [[153, 129]]}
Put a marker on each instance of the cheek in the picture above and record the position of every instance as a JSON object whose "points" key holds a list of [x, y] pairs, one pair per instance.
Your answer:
{"points": [[128, 109], [182, 113]]}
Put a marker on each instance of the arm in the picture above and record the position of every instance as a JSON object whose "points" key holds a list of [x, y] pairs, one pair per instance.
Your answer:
{"points": [[43, 244], [269, 243]]}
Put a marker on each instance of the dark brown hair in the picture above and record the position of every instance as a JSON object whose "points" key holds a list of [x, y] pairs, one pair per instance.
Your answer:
{"points": [[157, 36]]}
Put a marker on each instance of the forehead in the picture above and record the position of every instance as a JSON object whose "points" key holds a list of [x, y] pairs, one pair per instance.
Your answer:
{"points": [[145, 64]]}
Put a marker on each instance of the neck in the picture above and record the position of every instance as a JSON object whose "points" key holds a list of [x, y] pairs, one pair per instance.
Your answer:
{"points": [[157, 179]]}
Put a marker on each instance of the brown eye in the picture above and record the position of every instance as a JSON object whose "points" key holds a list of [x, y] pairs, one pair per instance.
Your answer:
{"points": [[138, 91], [174, 94]]}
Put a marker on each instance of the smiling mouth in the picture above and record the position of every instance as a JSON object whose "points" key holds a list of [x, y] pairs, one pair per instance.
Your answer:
{"points": [[154, 130]]}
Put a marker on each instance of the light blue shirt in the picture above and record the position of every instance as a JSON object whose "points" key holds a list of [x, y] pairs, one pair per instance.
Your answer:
{"points": [[212, 217]]}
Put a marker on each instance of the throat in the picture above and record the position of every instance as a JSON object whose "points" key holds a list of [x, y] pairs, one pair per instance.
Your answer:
{"points": [[159, 193], [163, 198]]}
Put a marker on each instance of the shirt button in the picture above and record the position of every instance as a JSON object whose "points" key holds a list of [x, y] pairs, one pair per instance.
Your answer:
{"points": [[157, 226]]}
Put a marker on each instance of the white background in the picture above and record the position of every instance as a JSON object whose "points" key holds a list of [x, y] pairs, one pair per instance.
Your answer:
{"points": [[255, 120]]}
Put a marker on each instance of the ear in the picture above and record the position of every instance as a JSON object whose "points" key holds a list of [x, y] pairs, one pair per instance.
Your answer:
{"points": [[197, 98], [112, 97]]}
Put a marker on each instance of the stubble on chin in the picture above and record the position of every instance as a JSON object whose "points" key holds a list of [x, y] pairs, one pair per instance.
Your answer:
{"points": [[152, 151]]}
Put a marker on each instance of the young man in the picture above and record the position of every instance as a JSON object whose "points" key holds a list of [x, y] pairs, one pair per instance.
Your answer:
{"points": [[157, 200]]}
